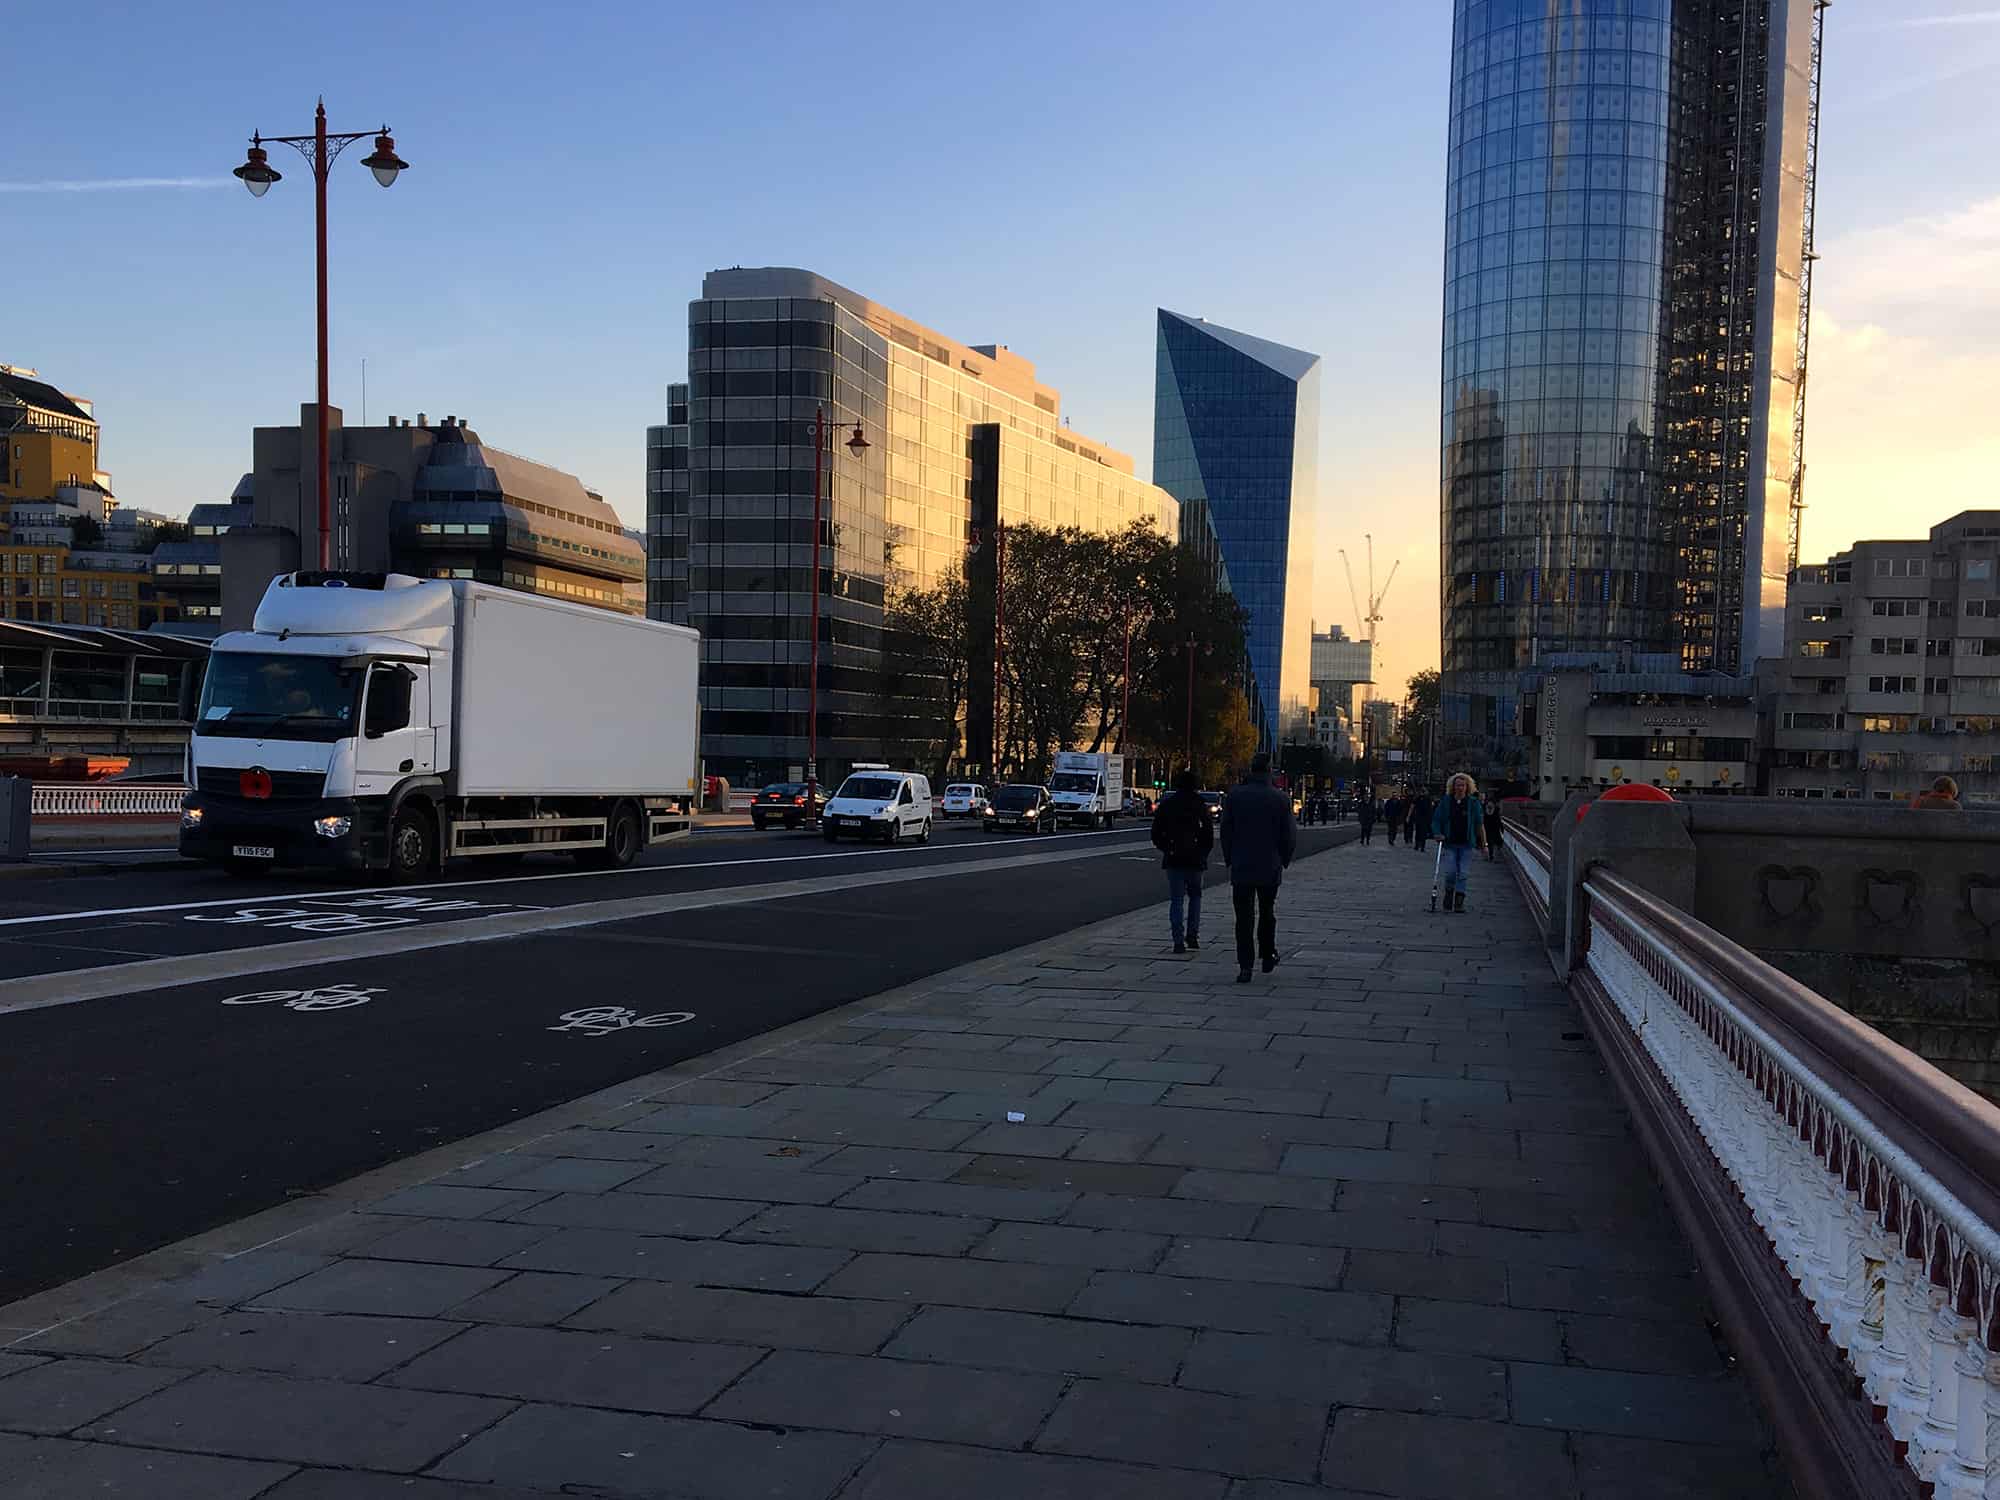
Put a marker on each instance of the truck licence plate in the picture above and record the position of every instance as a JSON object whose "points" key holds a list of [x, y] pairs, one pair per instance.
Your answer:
{"points": [[253, 851]]}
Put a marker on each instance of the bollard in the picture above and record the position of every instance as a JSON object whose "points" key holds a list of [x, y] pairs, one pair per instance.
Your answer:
{"points": [[17, 795]]}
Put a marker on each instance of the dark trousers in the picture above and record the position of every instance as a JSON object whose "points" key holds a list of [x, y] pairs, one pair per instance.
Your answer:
{"points": [[1423, 832], [1256, 903]]}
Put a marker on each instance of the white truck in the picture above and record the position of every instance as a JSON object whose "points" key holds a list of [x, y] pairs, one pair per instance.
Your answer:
{"points": [[381, 722], [1088, 787]]}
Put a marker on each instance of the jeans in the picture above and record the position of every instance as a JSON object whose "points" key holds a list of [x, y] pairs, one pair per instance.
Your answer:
{"points": [[1453, 866], [1184, 885], [1258, 903]]}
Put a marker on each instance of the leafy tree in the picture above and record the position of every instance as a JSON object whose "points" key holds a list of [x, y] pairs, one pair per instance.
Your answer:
{"points": [[1421, 716], [927, 660], [84, 532]]}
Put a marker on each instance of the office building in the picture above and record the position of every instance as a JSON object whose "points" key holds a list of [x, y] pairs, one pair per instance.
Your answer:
{"points": [[1236, 441], [1891, 671], [1625, 229], [191, 566], [48, 441], [1339, 666], [962, 438], [1605, 719], [433, 501], [1380, 721]]}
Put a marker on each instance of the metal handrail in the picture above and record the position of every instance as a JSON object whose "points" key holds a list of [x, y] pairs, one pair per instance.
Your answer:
{"points": [[104, 800], [1874, 1176]]}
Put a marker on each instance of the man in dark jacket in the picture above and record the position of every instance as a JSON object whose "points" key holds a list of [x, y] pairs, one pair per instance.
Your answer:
{"points": [[1392, 814], [1258, 841], [1364, 813], [1420, 818], [1183, 835]]}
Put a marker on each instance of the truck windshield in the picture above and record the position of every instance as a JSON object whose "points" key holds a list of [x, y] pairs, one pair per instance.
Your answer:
{"points": [[268, 695], [1073, 781]]}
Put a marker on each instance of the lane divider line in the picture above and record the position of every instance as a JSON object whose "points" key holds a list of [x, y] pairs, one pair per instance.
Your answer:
{"points": [[490, 883], [72, 987]]}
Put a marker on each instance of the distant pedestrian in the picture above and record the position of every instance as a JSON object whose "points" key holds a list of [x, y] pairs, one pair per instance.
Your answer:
{"points": [[1493, 831], [1365, 814], [1421, 821], [1183, 835], [1459, 822], [1392, 814], [1258, 841], [1942, 797]]}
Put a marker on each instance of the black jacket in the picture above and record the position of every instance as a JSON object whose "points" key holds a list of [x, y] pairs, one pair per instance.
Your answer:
{"points": [[1258, 834], [1181, 823]]}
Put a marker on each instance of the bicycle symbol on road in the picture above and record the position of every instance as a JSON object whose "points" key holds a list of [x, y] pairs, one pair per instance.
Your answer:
{"points": [[602, 1020], [325, 997]]}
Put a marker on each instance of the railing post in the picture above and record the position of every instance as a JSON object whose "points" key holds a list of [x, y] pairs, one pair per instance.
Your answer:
{"points": [[1962, 1476]]}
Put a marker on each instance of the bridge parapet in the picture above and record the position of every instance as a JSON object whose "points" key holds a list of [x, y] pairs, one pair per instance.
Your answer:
{"points": [[1843, 1193]]}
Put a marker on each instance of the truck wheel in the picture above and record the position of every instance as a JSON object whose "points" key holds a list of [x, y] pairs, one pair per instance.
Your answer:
{"points": [[622, 845], [409, 846], [247, 869]]}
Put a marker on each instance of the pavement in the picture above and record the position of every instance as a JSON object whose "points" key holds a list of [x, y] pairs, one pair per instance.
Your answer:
{"points": [[1079, 1218]]}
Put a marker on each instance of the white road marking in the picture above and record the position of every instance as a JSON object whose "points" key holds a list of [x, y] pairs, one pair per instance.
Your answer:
{"points": [[324, 997], [491, 884], [602, 1020]]}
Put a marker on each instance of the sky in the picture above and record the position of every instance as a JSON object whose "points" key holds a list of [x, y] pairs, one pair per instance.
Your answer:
{"points": [[1036, 174]]}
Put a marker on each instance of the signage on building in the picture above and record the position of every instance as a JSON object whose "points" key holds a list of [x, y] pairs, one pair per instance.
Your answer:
{"points": [[1549, 690], [1675, 721]]}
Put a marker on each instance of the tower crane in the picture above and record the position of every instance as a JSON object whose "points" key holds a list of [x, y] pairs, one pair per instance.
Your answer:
{"points": [[1372, 616]]}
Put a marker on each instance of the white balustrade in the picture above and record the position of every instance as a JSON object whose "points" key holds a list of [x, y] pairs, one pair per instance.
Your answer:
{"points": [[1904, 1276], [103, 801]]}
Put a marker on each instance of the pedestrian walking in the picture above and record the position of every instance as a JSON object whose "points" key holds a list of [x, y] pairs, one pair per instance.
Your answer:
{"points": [[1258, 841], [1392, 814], [1420, 819], [1493, 831], [1942, 797], [1183, 835], [1365, 814], [1459, 823]]}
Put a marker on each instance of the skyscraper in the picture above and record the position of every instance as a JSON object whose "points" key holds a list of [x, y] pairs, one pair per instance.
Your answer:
{"points": [[1624, 235], [1236, 441]]}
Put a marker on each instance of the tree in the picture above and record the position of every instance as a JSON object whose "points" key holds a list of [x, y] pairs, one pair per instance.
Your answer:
{"points": [[927, 661], [84, 532], [1421, 717]]}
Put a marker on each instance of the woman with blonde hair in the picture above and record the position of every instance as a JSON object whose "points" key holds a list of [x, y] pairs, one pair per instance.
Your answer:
{"points": [[1459, 824]]}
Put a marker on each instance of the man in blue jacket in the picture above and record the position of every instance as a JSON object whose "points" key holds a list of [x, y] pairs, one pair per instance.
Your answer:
{"points": [[1460, 825], [1258, 841]]}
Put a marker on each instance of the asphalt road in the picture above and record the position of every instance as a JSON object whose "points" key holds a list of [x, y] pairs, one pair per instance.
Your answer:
{"points": [[136, 1119]]}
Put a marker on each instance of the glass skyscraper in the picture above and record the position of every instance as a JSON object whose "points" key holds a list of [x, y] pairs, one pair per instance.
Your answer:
{"points": [[1236, 441], [1623, 240], [962, 438]]}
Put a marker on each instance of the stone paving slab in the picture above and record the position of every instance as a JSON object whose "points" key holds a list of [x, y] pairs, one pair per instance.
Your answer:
{"points": [[1371, 1227]]}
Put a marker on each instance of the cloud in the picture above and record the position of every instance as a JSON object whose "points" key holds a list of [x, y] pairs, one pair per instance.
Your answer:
{"points": [[1916, 23], [112, 184], [1946, 263]]}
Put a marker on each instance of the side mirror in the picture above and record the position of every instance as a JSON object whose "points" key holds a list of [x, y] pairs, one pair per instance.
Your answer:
{"points": [[388, 701]]}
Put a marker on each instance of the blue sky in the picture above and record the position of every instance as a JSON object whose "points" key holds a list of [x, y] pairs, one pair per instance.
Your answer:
{"points": [[1041, 175]]}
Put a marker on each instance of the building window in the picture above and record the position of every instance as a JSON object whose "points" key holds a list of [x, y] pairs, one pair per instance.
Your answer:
{"points": [[1800, 720], [1892, 684], [1937, 684], [1982, 609], [1820, 650], [1885, 723], [1892, 645], [1902, 567], [1820, 614]]}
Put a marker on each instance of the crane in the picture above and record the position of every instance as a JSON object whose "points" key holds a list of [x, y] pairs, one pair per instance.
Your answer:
{"points": [[1372, 616]]}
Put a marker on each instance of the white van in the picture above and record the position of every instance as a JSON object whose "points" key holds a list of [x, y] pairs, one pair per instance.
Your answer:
{"points": [[964, 799], [878, 803]]}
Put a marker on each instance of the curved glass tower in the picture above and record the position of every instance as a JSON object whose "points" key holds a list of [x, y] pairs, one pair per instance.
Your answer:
{"points": [[1622, 242]]}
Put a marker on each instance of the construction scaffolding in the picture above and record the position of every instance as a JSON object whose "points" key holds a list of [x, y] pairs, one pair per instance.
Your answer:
{"points": [[1795, 519]]}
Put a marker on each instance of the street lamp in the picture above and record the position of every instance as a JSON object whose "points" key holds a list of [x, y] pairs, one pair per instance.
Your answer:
{"points": [[320, 150], [857, 445]]}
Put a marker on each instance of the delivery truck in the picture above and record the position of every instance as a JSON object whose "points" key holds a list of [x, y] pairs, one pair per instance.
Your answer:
{"points": [[1088, 787], [377, 722]]}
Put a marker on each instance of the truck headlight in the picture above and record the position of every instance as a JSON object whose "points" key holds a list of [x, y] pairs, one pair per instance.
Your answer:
{"points": [[335, 827], [190, 817]]}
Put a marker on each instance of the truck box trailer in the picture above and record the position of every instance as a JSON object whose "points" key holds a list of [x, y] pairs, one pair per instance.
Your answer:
{"points": [[1088, 786], [381, 722]]}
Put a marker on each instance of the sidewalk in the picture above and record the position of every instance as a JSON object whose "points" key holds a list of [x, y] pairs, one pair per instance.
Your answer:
{"points": [[1368, 1226]]}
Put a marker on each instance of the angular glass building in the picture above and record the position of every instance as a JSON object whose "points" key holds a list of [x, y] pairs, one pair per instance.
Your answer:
{"points": [[1236, 441], [1623, 241]]}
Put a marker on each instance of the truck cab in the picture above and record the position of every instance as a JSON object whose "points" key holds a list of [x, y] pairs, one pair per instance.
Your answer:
{"points": [[1088, 787]]}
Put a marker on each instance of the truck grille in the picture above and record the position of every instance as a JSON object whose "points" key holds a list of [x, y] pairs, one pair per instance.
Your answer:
{"points": [[286, 785]]}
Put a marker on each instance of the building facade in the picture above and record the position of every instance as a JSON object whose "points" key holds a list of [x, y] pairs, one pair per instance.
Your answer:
{"points": [[962, 441], [1891, 671], [1339, 666], [1623, 242], [1601, 720], [1236, 442], [48, 440], [430, 501]]}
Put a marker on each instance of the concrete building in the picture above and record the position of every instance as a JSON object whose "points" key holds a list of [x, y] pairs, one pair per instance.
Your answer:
{"points": [[1379, 721], [1339, 666], [1236, 442], [1891, 671], [1602, 720], [430, 500], [961, 439], [1625, 201], [48, 440]]}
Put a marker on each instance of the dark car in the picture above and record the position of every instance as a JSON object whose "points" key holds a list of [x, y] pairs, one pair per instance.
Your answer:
{"points": [[1020, 809], [1213, 802], [786, 801]]}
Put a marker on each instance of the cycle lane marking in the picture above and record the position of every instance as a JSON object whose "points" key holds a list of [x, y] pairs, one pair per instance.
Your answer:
{"points": [[74, 986]]}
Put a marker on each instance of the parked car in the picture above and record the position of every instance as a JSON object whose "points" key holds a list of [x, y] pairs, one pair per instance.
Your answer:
{"points": [[878, 803], [1137, 806], [785, 801], [964, 799], [1021, 809]]}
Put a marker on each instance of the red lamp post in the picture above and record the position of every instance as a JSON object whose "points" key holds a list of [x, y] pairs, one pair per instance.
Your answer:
{"points": [[857, 445], [320, 150]]}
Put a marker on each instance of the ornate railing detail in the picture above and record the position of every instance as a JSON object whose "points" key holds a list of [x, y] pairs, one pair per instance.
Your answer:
{"points": [[104, 801], [1872, 1175]]}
